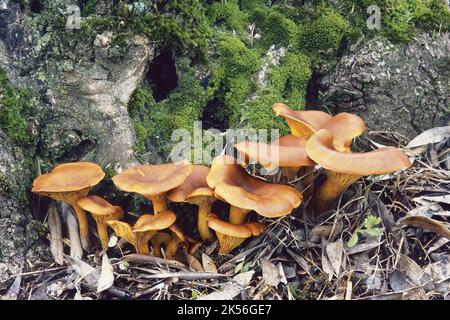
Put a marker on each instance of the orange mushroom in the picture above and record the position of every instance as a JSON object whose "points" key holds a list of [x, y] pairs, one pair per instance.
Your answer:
{"points": [[153, 181], [303, 123], [345, 168], [69, 182], [245, 193], [102, 211], [143, 230], [196, 191], [288, 153], [147, 226], [233, 235], [158, 240]]}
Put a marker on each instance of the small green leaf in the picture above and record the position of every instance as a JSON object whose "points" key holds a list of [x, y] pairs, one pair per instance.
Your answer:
{"points": [[239, 267], [353, 240], [371, 221]]}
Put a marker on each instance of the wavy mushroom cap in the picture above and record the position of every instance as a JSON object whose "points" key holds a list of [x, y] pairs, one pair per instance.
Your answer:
{"points": [[233, 184], [320, 148], [194, 186], [150, 222], [288, 151], [98, 206], [152, 180], [229, 229], [311, 120], [69, 177], [344, 127]]}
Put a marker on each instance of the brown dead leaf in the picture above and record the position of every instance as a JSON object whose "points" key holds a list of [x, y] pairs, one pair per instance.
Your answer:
{"points": [[208, 264], [426, 223]]}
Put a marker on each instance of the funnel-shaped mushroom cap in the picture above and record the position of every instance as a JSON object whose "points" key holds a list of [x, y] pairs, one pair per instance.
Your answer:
{"points": [[303, 122], [194, 186], [288, 151], [232, 183], [67, 178], [152, 180], [229, 229], [150, 222], [344, 127], [320, 149], [99, 206]]}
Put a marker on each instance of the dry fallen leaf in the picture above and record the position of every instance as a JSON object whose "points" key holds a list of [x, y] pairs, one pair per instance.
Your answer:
{"points": [[426, 223], [84, 270], [270, 273], [334, 252], [208, 264], [232, 288], [54, 226], [193, 263], [433, 135], [106, 279]]}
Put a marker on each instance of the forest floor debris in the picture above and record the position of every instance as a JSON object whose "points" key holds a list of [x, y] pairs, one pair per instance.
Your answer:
{"points": [[404, 256]]}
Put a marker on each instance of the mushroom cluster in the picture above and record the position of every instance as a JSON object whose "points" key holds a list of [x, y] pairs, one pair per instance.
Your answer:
{"points": [[316, 140]]}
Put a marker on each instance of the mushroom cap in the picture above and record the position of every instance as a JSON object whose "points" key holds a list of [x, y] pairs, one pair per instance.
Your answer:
{"points": [[310, 119], [288, 151], [150, 222], [256, 228], [152, 180], [320, 149], [344, 127], [229, 229], [194, 186], [233, 184], [99, 206], [68, 177]]}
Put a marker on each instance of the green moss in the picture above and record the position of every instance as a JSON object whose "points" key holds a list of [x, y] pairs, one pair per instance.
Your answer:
{"points": [[291, 78], [228, 13], [236, 58], [15, 106], [280, 30], [324, 33]]}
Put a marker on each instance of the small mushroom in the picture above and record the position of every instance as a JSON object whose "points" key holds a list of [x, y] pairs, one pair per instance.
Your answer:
{"points": [[288, 153], [173, 246], [245, 193], [345, 168], [233, 235], [303, 123], [153, 181], [69, 182], [102, 211], [143, 230], [147, 226], [196, 191], [158, 240]]}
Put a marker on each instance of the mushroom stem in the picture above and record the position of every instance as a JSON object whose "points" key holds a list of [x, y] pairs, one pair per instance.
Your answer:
{"points": [[289, 173], [159, 203], [307, 174], [238, 215], [102, 229], [83, 225], [228, 243], [333, 186], [204, 209], [142, 239]]}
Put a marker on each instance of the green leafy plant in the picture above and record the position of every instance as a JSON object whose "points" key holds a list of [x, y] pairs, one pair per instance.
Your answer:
{"points": [[369, 228]]}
